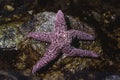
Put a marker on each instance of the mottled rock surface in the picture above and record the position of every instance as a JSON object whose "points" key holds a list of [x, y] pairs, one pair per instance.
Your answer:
{"points": [[31, 50], [113, 77], [45, 22], [10, 35]]}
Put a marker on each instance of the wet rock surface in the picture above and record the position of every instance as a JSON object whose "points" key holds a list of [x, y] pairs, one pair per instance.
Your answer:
{"points": [[113, 77], [6, 76], [31, 50], [10, 35]]}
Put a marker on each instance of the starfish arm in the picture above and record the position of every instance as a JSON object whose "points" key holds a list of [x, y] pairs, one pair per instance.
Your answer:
{"points": [[80, 35], [43, 36], [50, 55], [71, 51], [60, 23]]}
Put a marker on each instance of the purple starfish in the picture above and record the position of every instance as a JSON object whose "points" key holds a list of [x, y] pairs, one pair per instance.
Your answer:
{"points": [[60, 40]]}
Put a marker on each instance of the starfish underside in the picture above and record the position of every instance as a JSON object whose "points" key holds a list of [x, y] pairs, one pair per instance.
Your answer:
{"points": [[60, 40]]}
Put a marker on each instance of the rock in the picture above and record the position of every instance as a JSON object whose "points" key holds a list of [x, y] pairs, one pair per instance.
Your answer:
{"points": [[5, 75], [33, 50], [10, 35], [44, 22], [9, 8], [113, 77], [13, 75]]}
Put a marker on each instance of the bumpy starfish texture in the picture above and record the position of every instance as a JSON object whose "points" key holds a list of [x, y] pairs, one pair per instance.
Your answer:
{"points": [[60, 40]]}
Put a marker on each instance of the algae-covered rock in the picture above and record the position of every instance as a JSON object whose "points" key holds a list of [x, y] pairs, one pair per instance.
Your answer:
{"points": [[10, 35]]}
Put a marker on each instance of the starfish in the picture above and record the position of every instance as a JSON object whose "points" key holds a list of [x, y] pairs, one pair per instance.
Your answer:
{"points": [[60, 39]]}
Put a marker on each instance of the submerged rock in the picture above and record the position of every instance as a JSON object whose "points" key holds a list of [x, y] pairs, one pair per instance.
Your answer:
{"points": [[32, 50], [10, 35], [6, 76], [36, 49], [13, 33], [13, 75], [113, 77]]}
